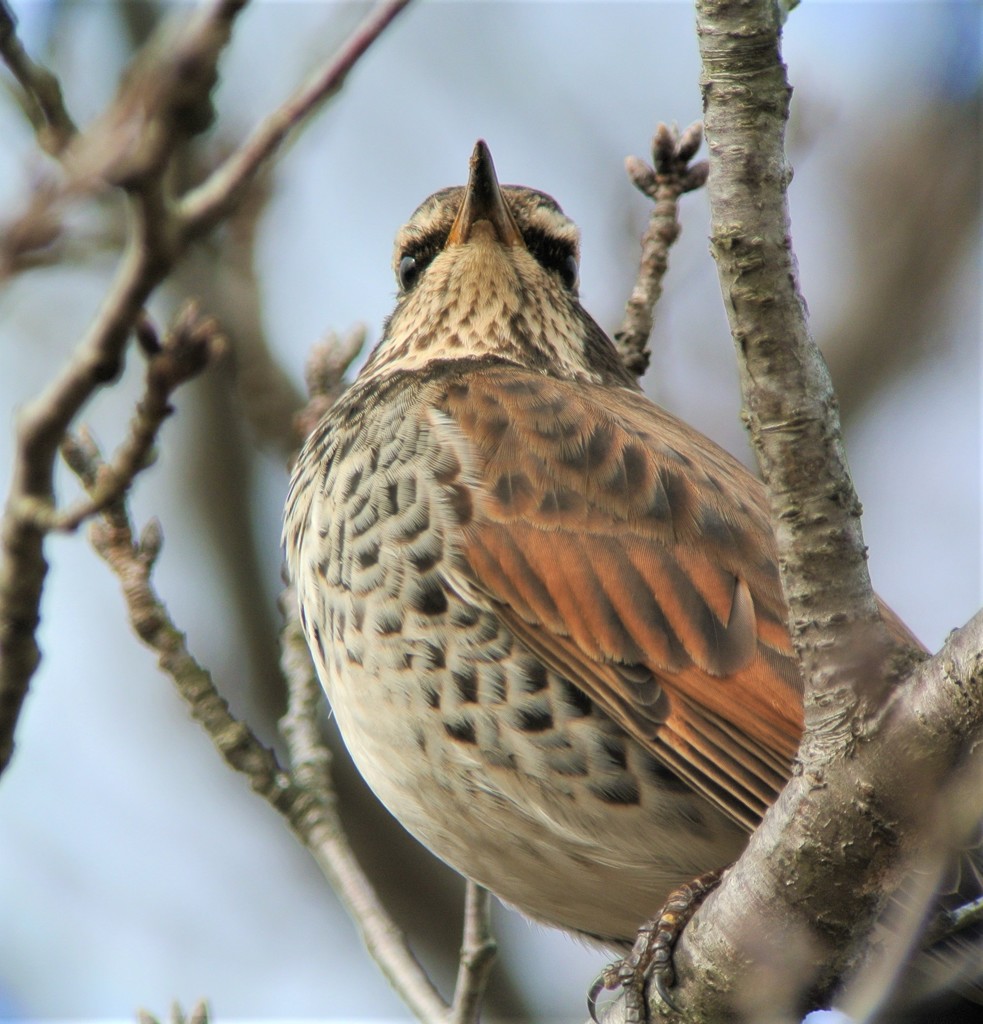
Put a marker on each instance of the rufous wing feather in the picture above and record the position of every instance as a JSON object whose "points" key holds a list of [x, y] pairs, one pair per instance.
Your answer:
{"points": [[636, 558]]}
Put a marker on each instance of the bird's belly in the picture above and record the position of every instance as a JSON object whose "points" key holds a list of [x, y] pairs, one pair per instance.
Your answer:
{"points": [[503, 768], [508, 773]]}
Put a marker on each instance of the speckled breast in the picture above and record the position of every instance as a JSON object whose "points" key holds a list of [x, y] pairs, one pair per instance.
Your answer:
{"points": [[498, 764]]}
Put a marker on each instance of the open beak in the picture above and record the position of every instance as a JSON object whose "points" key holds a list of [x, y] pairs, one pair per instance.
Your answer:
{"points": [[483, 201]]}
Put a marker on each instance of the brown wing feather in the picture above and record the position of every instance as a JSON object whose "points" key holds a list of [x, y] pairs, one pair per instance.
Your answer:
{"points": [[637, 558]]}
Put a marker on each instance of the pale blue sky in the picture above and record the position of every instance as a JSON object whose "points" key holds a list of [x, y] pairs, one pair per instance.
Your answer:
{"points": [[135, 869]]}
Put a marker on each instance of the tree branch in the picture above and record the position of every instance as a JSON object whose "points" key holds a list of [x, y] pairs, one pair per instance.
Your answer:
{"points": [[310, 761], [478, 950], [190, 345], [671, 176], [794, 914], [223, 273], [210, 202], [848, 841], [40, 429], [163, 100], [324, 374], [43, 100], [302, 795], [133, 560], [789, 404], [198, 1015], [322, 831]]}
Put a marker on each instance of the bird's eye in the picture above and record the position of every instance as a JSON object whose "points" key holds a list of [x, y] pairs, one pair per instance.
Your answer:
{"points": [[569, 272], [409, 271]]}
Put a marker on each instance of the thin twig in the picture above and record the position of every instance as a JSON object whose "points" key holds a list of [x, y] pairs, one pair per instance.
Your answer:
{"points": [[301, 797], [43, 100], [325, 836], [310, 757], [310, 761], [324, 374], [208, 203], [949, 922], [132, 560], [478, 950], [671, 176], [189, 346]]}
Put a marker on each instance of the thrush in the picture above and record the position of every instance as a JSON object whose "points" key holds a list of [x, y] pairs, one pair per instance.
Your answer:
{"points": [[546, 613]]}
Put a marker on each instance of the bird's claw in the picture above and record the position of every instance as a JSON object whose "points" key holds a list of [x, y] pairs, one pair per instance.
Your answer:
{"points": [[650, 958]]}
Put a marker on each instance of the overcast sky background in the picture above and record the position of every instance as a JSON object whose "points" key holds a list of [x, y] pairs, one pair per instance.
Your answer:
{"points": [[136, 869]]}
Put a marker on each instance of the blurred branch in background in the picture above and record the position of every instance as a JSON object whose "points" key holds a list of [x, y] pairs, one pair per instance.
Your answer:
{"points": [[185, 72], [163, 101], [303, 794], [40, 96], [189, 346], [198, 1015], [911, 237]]}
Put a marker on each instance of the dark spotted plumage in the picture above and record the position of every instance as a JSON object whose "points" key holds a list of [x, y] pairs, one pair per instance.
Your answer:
{"points": [[546, 613]]}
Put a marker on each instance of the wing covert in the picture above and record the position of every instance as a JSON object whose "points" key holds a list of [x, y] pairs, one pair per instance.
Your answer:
{"points": [[637, 558]]}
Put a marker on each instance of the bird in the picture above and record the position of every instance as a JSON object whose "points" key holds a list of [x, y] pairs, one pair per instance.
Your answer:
{"points": [[546, 613]]}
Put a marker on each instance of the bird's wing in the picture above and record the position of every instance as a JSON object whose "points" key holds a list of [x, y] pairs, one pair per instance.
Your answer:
{"points": [[636, 558]]}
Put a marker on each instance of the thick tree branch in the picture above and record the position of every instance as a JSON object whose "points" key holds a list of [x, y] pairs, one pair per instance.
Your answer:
{"points": [[848, 840], [794, 915], [874, 797], [789, 404]]}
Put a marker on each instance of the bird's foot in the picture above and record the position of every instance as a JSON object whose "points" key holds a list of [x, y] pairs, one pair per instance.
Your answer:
{"points": [[651, 955]]}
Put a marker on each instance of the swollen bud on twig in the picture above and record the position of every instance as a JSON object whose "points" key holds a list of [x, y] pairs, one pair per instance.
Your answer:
{"points": [[641, 175], [689, 142], [151, 541]]}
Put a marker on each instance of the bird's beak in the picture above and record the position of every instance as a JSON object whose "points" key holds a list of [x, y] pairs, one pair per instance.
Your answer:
{"points": [[483, 201]]}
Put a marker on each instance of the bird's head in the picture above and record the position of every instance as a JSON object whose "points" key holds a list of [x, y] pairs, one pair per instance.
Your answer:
{"points": [[492, 270]]}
